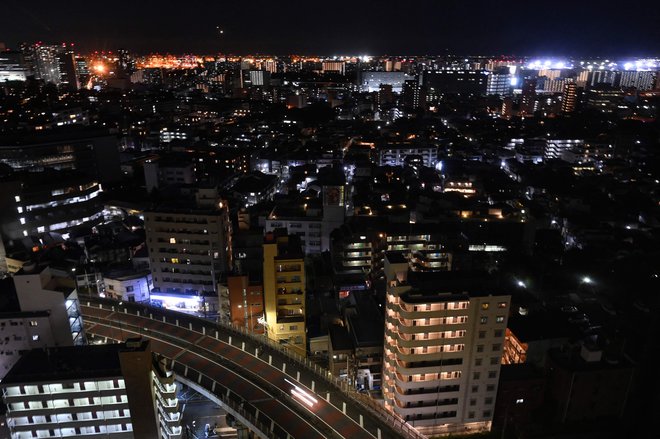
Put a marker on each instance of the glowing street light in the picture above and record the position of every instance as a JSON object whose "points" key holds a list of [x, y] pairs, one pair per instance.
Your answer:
{"points": [[587, 280], [521, 284]]}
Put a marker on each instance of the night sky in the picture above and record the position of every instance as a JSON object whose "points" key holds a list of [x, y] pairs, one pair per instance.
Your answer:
{"points": [[341, 27]]}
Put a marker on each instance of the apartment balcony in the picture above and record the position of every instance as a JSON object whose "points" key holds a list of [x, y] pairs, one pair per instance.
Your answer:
{"points": [[288, 268], [426, 403], [65, 394], [402, 382], [17, 412], [71, 423], [424, 367], [290, 318], [428, 389], [289, 292], [405, 355]]}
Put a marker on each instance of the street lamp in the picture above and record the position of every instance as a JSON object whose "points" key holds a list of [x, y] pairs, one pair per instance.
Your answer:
{"points": [[521, 284], [587, 280]]}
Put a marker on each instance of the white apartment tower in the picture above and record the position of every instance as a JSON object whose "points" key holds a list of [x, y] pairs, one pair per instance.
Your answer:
{"points": [[189, 249], [442, 350]]}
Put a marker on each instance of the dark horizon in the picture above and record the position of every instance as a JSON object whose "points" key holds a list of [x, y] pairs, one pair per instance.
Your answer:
{"points": [[342, 28]]}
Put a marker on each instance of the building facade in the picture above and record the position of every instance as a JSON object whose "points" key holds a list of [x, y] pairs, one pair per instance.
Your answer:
{"points": [[284, 291], [189, 250], [117, 391], [442, 353]]}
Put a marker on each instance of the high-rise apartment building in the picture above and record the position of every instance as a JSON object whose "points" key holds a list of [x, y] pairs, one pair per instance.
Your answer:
{"points": [[414, 95], [442, 349], [284, 291], [528, 98], [53, 63], [189, 249], [569, 98], [334, 67], [117, 391]]}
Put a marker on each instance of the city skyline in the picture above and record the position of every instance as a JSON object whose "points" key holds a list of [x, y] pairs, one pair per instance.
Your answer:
{"points": [[435, 29]]}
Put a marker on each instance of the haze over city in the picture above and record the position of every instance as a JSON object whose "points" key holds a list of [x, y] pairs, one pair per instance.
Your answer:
{"points": [[345, 220]]}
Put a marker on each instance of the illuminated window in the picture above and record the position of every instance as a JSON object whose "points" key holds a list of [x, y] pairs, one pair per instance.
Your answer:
{"points": [[483, 320], [175, 260], [35, 338], [499, 319], [501, 305], [172, 240], [485, 306]]}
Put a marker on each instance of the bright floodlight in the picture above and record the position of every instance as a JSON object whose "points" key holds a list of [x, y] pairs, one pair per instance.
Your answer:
{"points": [[521, 284], [587, 280]]}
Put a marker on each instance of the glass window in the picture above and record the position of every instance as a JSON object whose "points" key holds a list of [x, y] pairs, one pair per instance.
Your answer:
{"points": [[499, 319], [485, 306]]}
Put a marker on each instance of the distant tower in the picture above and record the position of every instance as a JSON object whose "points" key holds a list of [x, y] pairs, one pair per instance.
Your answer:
{"points": [[569, 98], [528, 101]]}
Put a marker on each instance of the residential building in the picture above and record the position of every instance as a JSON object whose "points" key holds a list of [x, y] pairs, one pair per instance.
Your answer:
{"points": [[443, 346], [40, 309], [189, 249], [284, 290], [128, 285], [246, 303], [114, 390], [569, 98], [396, 153]]}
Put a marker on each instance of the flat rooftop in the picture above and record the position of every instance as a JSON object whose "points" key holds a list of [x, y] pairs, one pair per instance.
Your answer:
{"points": [[69, 363]]}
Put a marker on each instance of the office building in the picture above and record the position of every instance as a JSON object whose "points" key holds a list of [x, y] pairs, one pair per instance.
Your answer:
{"points": [[284, 291], [49, 201], [92, 152], [114, 391], [189, 250], [13, 66], [499, 82], [53, 63], [442, 349]]}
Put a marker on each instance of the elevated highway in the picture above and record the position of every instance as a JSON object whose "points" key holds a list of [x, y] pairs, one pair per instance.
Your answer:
{"points": [[273, 391]]}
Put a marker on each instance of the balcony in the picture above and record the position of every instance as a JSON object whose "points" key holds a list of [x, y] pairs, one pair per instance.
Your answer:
{"points": [[290, 318]]}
